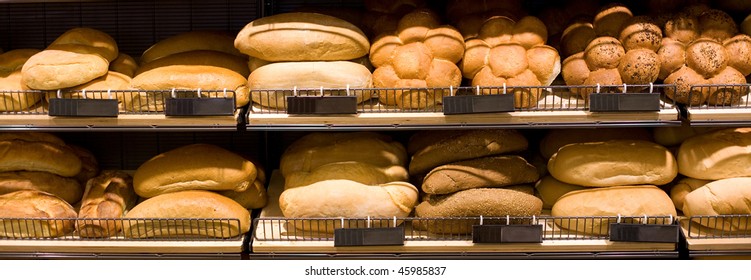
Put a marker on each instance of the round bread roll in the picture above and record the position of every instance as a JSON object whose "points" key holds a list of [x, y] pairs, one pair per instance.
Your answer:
{"points": [[575, 70], [722, 197], [684, 79], [682, 188], [549, 190], [641, 32], [20, 155], [739, 53], [360, 172], [193, 167], [124, 64], [682, 27], [35, 214], [63, 66], [672, 55], [639, 67], [727, 95], [96, 41], [211, 215], [516, 201], [255, 197], [613, 201], [604, 52], [613, 163], [717, 24], [345, 198], [576, 37], [707, 57], [192, 41], [486, 172], [610, 19], [302, 37], [716, 155], [67, 189], [554, 139]]}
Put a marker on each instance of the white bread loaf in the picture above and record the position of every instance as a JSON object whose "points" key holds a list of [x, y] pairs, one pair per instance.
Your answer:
{"points": [[199, 57], [302, 37], [669, 136], [722, 197], [63, 66], [345, 198], [286, 76], [192, 41], [317, 149], [716, 155], [35, 214], [18, 155], [613, 163], [613, 201], [193, 167], [682, 188], [360, 172], [99, 42], [254, 197], [214, 216], [106, 199], [67, 189], [554, 139], [11, 79], [124, 64], [549, 190], [485, 172]]}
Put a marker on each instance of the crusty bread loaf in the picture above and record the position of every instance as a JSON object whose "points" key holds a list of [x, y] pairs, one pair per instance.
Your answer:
{"points": [[549, 190], [468, 144], [360, 172], [554, 139], [515, 201], [613, 201], [722, 197], [63, 66], [210, 214], [107, 198], [682, 188], [302, 37], [316, 149], [191, 41], [199, 57], [124, 64], [254, 197], [345, 198], [35, 214], [613, 163], [193, 167], [716, 155], [308, 75], [16, 155], [485, 172], [99, 42], [67, 189]]}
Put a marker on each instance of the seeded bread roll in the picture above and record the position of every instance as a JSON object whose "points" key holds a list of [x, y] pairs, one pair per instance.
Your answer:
{"points": [[722, 197], [486, 172], [35, 214], [67, 189], [107, 197]]}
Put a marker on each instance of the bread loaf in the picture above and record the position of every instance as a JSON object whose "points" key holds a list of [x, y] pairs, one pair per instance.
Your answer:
{"points": [[17, 155], [722, 197], [316, 149], [716, 155], [35, 214], [274, 82], [193, 167], [254, 197], [613, 201], [11, 79], [468, 144], [302, 37], [106, 199], [669, 136], [360, 172], [109, 86], [682, 188], [32, 137], [63, 66], [549, 190], [67, 189], [124, 64], [517, 201], [613, 163], [485, 172], [97, 41], [191, 41], [554, 139], [345, 198], [199, 57], [189, 213]]}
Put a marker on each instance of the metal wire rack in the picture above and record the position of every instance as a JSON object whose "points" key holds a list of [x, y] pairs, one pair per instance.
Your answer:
{"points": [[421, 100], [28, 102], [720, 226], [718, 96], [192, 229], [444, 229]]}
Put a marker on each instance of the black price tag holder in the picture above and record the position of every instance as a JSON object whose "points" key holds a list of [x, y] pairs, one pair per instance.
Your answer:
{"points": [[625, 101], [83, 107], [380, 236], [625, 232], [508, 233], [199, 106], [478, 103], [321, 104]]}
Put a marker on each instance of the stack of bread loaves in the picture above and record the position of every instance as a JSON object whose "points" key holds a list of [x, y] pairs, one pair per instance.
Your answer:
{"points": [[617, 48], [304, 51], [345, 175], [419, 59], [189, 182], [195, 60], [12, 97], [39, 178], [471, 173]]}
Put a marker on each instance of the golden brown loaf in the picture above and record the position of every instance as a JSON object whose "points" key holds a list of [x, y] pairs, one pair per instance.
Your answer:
{"points": [[465, 145], [549, 190], [554, 139], [254, 197], [682, 188], [716, 155], [675, 135], [63, 66], [199, 57], [722, 197], [360, 172], [485, 172], [613, 201], [17, 155], [98, 41], [11, 79], [124, 64], [193, 167], [35, 214], [212, 214], [316, 149], [107, 197], [67, 189], [109, 86], [345, 198], [613, 163], [191, 41], [302, 37]]}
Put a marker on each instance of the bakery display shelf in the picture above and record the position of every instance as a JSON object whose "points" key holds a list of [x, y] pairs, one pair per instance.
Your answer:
{"points": [[720, 235], [525, 107], [274, 235], [719, 104]]}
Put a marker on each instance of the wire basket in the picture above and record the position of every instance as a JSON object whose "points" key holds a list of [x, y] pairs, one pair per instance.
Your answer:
{"points": [[719, 96], [719, 226]]}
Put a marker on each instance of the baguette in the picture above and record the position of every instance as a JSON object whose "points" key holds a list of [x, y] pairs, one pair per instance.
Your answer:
{"points": [[35, 214], [106, 199]]}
